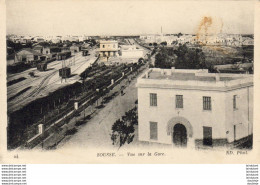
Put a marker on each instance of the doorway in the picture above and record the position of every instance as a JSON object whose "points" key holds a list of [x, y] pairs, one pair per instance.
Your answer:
{"points": [[207, 136], [180, 135]]}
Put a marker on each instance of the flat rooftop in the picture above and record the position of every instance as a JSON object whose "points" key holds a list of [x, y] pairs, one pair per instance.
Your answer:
{"points": [[193, 79], [182, 76], [107, 41]]}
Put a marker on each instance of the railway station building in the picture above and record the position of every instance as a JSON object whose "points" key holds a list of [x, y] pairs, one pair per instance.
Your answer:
{"points": [[108, 48], [194, 108]]}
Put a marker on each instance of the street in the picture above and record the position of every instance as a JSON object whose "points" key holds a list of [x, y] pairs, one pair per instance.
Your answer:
{"points": [[96, 133]]}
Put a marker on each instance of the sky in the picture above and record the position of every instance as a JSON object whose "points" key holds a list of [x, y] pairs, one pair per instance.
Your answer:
{"points": [[89, 17]]}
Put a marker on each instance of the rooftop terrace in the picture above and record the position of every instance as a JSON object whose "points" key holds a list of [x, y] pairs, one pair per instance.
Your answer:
{"points": [[195, 78], [186, 76]]}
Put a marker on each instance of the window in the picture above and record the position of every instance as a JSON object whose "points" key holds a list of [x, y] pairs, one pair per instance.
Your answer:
{"points": [[179, 101], [235, 102], [206, 103], [153, 131], [103, 46], [153, 99], [114, 46]]}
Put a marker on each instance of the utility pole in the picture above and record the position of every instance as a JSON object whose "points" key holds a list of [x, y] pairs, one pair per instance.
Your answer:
{"points": [[97, 90], [84, 111], [14, 56]]}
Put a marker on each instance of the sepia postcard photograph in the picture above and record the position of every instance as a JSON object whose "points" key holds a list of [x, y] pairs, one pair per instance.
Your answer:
{"points": [[129, 82]]}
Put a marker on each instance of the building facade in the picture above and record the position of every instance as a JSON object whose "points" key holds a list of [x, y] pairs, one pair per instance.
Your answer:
{"points": [[27, 54], [108, 48], [131, 51], [75, 48], [42, 49], [194, 107]]}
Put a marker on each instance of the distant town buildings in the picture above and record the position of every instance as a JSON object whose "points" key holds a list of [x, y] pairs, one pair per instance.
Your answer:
{"points": [[236, 40], [247, 41], [194, 107]]}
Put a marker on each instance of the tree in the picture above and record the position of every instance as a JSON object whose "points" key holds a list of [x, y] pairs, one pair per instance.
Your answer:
{"points": [[212, 69], [140, 61], [164, 59], [181, 58], [174, 42], [123, 129], [153, 52], [179, 34], [189, 59], [17, 46], [164, 43]]}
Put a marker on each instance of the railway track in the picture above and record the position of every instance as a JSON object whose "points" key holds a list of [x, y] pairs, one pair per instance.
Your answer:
{"points": [[18, 86], [35, 92], [85, 99], [43, 83], [90, 94], [42, 86], [83, 62]]}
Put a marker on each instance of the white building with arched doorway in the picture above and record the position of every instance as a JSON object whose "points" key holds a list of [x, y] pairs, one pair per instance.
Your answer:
{"points": [[194, 107]]}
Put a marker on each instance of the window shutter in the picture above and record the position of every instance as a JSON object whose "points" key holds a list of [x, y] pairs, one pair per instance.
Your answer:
{"points": [[153, 130]]}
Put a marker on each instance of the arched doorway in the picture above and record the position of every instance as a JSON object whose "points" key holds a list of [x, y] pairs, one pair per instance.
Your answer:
{"points": [[179, 135], [180, 130]]}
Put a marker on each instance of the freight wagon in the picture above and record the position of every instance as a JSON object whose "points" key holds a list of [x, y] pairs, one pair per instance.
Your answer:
{"points": [[33, 63], [65, 72], [63, 55], [84, 52], [42, 66]]}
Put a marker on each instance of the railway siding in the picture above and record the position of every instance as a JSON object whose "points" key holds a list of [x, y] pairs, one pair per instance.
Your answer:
{"points": [[53, 107]]}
